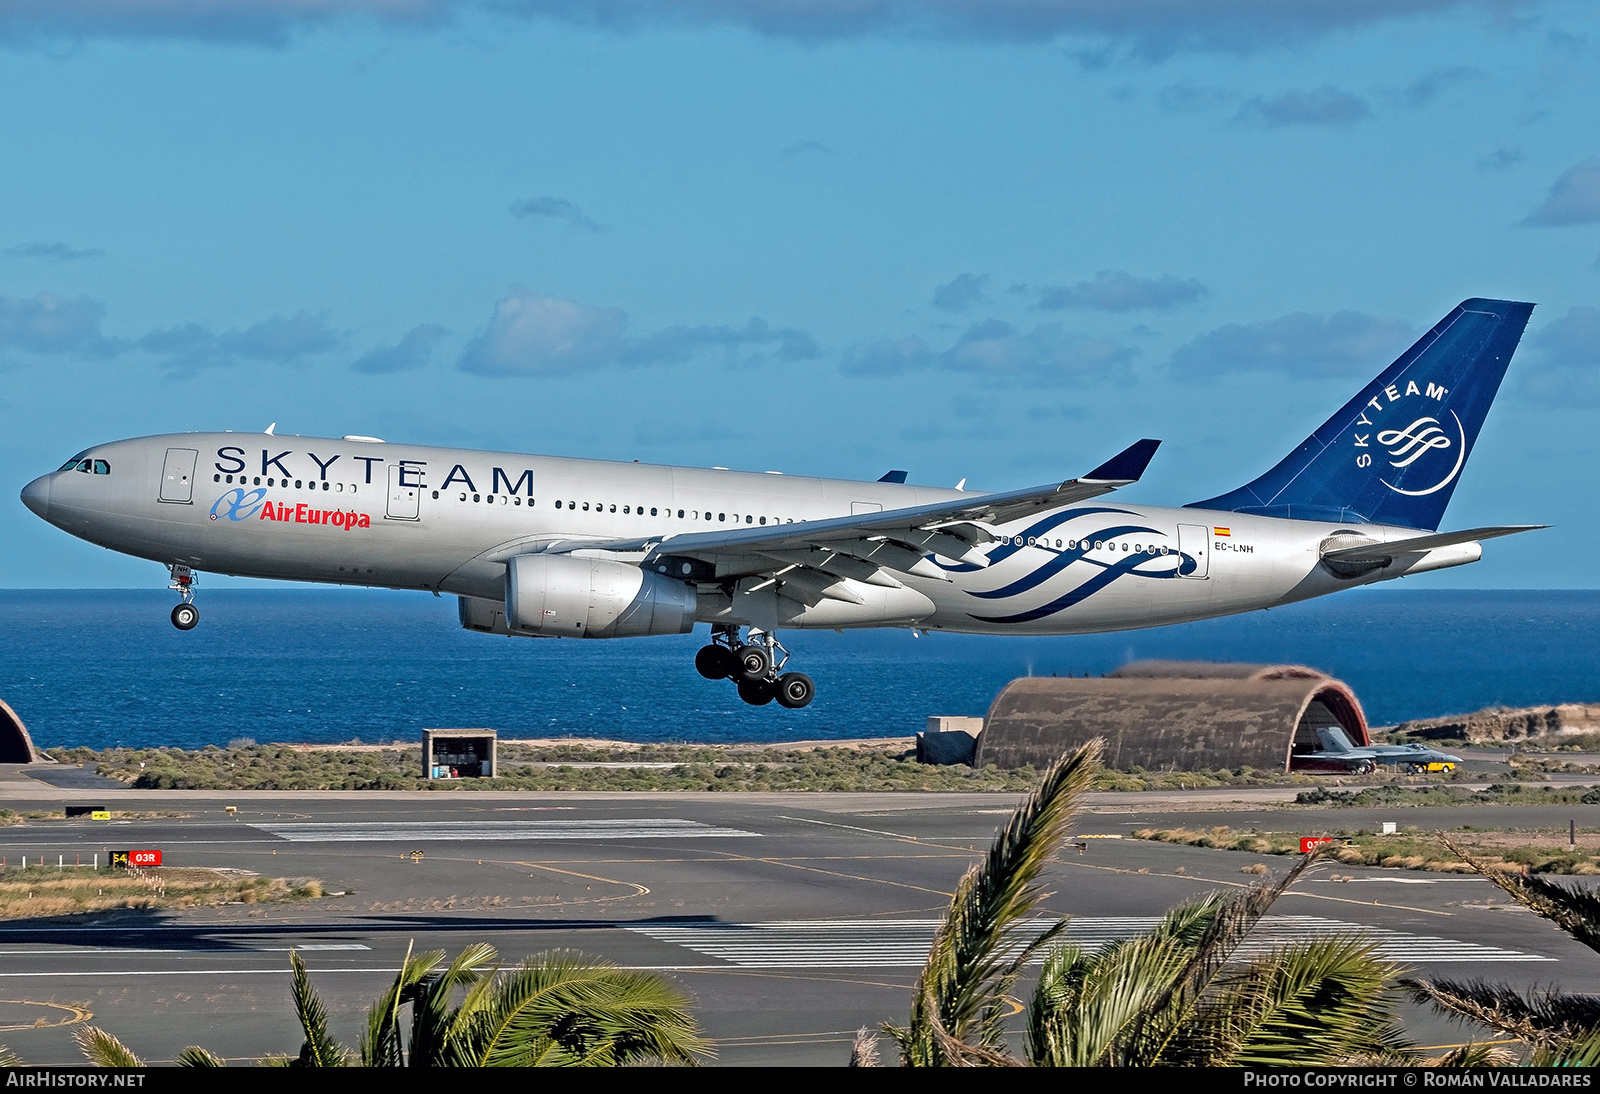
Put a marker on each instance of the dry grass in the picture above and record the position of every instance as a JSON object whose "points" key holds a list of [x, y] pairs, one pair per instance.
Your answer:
{"points": [[1535, 852], [41, 891]]}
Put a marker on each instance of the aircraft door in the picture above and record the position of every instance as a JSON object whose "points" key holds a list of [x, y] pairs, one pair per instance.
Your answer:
{"points": [[1194, 540], [404, 501], [177, 476]]}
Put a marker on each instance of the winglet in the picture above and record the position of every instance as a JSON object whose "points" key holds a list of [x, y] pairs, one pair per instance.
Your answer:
{"points": [[1126, 466], [894, 476]]}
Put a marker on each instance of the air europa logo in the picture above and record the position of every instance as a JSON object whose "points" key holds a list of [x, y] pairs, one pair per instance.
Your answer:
{"points": [[305, 514], [1425, 442], [237, 504]]}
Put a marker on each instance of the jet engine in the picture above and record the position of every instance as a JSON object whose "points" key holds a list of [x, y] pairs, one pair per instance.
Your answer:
{"points": [[562, 596]]}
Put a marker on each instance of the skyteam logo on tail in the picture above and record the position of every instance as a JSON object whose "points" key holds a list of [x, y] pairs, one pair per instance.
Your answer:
{"points": [[1425, 441]]}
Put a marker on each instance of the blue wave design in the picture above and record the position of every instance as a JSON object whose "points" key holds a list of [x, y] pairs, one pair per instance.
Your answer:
{"points": [[1000, 554], [1111, 573], [1060, 562]]}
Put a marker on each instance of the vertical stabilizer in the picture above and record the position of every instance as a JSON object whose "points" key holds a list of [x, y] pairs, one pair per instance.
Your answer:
{"points": [[1394, 453]]}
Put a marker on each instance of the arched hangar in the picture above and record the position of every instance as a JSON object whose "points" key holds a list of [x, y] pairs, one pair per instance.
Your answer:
{"points": [[16, 747], [1175, 716]]}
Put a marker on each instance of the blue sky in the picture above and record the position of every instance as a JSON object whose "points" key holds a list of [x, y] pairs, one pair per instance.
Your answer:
{"points": [[986, 240]]}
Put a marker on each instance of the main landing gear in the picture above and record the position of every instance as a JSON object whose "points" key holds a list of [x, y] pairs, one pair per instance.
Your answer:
{"points": [[756, 668], [185, 615]]}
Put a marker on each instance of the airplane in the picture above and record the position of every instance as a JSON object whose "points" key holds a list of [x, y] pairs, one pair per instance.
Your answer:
{"points": [[1337, 753], [549, 546]]}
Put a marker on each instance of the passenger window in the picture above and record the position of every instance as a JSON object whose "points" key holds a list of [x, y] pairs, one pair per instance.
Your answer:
{"points": [[680, 514], [763, 520], [101, 467], [652, 510], [613, 508], [298, 484], [585, 507], [216, 478], [476, 498], [435, 493], [230, 478], [558, 505], [517, 502], [708, 514], [722, 516], [625, 509], [463, 496], [748, 519]]}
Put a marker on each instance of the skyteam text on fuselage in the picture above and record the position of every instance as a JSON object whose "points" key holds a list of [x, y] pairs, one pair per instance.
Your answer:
{"points": [[546, 546]]}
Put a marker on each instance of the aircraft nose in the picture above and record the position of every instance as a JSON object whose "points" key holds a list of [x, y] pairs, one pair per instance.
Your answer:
{"points": [[36, 496]]}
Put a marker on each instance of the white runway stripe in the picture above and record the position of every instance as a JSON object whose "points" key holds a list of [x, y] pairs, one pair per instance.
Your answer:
{"points": [[473, 831], [903, 943]]}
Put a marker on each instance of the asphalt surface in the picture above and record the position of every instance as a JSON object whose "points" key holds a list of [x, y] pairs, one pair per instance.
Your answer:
{"points": [[792, 919]]}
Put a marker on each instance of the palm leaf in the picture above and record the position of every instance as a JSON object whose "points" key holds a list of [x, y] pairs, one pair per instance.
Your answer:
{"points": [[969, 968], [319, 1048], [430, 1005], [195, 1056], [1539, 1017], [9, 1058], [381, 1043], [1318, 1004], [560, 1010], [104, 1050], [1471, 1054], [1087, 1010], [1574, 909], [1227, 928]]}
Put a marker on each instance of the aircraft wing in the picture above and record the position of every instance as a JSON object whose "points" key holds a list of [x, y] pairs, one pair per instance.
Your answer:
{"points": [[1383, 552], [811, 557]]}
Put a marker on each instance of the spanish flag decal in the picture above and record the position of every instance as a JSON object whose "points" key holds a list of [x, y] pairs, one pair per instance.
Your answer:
{"points": [[1223, 532]]}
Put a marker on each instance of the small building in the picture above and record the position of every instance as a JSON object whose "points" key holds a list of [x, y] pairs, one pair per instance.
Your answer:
{"points": [[949, 740], [458, 753], [16, 747], [1172, 716]]}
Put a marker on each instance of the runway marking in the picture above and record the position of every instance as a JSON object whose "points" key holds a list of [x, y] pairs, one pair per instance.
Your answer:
{"points": [[74, 1014], [463, 831], [904, 943], [638, 890]]}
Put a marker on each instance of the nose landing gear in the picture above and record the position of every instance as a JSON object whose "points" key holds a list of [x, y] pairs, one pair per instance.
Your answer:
{"points": [[185, 615], [755, 665]]}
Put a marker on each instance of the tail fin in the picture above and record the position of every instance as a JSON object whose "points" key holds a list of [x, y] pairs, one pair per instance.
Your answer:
{"points": [[1394, 453]]}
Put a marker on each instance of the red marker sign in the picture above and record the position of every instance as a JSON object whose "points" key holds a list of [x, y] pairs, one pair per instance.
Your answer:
{"points": [[1311, 843], [153, 858]]}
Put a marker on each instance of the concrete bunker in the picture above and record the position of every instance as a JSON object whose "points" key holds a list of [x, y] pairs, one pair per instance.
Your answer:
{"points": [[458, 753], [16, 747], [1176, 716]]}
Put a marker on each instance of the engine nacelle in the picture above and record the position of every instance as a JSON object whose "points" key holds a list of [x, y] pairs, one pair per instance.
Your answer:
{"points": [[562, 596]]}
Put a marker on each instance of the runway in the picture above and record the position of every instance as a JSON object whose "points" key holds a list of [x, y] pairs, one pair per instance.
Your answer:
{"points": [[792, 919]]}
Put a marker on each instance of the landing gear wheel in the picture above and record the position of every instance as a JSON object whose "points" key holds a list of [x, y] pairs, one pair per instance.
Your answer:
{"points": [[185, 616], [752, 664], [715, 662], [795, 690], [758, 693]]}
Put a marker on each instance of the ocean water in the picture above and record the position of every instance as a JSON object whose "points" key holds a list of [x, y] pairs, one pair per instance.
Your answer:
{"points": [[105, 667]]}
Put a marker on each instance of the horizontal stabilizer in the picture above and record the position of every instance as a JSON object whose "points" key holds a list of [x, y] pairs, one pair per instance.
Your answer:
{"points": [[1383, 552]]}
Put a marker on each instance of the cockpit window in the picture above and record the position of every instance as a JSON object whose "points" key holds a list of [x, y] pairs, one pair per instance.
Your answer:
{"points": [[101, 467], [85, 466], [72, 463]]}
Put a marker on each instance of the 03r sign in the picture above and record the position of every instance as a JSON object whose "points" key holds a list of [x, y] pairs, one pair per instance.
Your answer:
{"points": [[1309, 844], [136, 858]]}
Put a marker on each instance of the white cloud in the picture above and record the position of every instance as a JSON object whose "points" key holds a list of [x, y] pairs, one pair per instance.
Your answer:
{"points": [[1299, 344]]}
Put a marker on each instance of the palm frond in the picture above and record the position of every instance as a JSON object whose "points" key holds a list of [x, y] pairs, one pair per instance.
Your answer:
{"points": [[863, 1052], [195, 1056], [1574, 909], [1580, 1051], [1537, 1017], [1228, 926], [9, 1058], [319, 1048], [381, 1044], [104, 1050], [560, 1009], [1317, 1004], [1471, 1054], [431, 1017], [969, 965]]}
